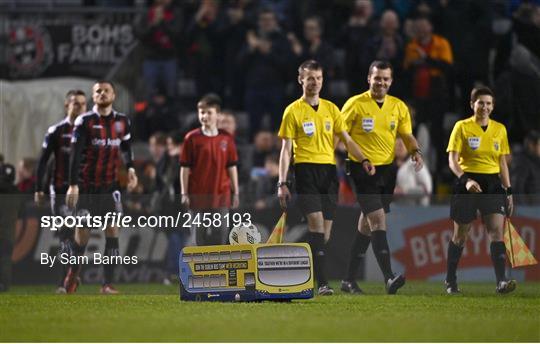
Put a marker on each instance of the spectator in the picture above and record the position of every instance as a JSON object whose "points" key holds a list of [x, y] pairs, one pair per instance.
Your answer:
{"points": [[421, 132], [227, 122], [313, 47], [232, 32], [158, 31], [26, 178], [263, 185], [159, 116], [518, 88], [204, 48], [346, 195], [264, 144], [428, 62], [169, 203], [416, 187], [265, 58], [355, 33], [386, 45], [157, 145], [9, 203], [526, 171]]}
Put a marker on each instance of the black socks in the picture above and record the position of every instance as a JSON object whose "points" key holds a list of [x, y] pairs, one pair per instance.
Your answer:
{"points": [[382, 253], [111, 249], [498, 257], [316, 241], [452, 261], [358, 253]]}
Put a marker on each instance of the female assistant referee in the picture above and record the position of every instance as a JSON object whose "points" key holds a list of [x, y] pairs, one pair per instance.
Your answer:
{"points": [[478, 148]]}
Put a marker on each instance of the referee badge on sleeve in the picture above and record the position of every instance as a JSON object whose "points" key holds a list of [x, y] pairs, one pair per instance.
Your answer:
{"points": [[474, 142], [328, 125], [496, 145], [368, 124], [309, 128]]}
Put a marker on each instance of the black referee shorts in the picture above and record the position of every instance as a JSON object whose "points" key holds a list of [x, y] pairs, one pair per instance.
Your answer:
{"points": [[464, 205], [317, 187], [374, 192]]}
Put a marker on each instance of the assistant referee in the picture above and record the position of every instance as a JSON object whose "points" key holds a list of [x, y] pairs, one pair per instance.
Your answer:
{"points": [[477, 153]]}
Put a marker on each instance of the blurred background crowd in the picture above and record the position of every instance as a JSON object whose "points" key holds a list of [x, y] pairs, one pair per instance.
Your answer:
{"points": [[247, 52]]}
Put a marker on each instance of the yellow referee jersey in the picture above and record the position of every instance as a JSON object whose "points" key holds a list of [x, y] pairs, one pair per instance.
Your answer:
{"points": [[373, 128], [479, 150], [312, 131]]}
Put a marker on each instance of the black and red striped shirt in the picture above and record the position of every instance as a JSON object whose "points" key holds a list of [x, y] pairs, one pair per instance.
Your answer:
{"points": [[57, 142], [97, 144]]}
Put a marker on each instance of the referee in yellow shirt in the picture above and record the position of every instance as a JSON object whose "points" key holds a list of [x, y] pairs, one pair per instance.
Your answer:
{"points": [[374, 119], [311, 125], [477, 153]]}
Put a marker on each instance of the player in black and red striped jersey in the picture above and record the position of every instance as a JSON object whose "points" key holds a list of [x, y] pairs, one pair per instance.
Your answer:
{"points": [[100, 137], [57, 143]]}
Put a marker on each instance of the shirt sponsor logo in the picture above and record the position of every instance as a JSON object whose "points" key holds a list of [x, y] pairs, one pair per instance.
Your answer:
{"points": [[97, 126], [106, 142], [368, 124], [474, 142], [309, 128]]}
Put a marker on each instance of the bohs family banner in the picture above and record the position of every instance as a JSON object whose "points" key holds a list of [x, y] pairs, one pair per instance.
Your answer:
{"points": [[66, 47]]}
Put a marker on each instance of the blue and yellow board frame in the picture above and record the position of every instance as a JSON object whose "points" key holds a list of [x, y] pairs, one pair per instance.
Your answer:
{"points": [[246, 272]]}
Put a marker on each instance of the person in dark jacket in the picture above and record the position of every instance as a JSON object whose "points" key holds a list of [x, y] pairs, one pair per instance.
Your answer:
{"points": [[526, 171]]}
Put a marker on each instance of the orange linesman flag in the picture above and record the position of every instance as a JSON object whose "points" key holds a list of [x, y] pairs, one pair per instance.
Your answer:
{"points": [[277, 234], [518, 253]]}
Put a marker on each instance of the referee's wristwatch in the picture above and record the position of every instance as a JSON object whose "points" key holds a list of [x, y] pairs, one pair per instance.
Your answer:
{"points": [[280, 184]]}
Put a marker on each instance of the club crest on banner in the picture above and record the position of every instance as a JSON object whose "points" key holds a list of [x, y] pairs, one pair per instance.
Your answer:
{"points": [[29, 50], [474, 142]]}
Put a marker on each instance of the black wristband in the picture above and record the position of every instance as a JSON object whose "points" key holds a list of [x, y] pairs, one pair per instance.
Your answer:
{"points": [[363, 161], [508, 191], [286, 183], [463, 179], [417, 150]]}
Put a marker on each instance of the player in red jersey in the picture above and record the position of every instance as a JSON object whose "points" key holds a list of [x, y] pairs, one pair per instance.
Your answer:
{"points": [[208, 173], [57, 143], [100, 137]]}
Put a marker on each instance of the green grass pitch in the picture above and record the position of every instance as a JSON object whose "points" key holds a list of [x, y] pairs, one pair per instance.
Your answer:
{"points": [[420, 312]]}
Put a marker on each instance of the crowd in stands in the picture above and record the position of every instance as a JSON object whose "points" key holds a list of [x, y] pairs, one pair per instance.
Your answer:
{"points": [[247, 52]]}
